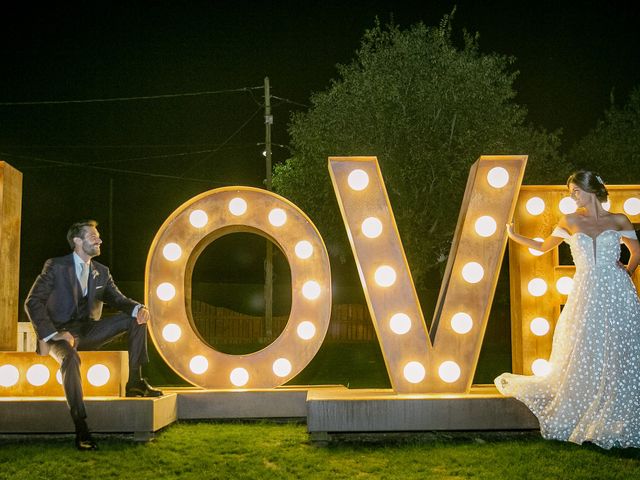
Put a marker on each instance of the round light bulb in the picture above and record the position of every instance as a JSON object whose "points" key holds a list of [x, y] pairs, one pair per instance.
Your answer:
{"points": [[59, 377], [311, 290], [472, 272], [371, 227], [306, 330], [239, 377], [98, 375], [498, 177], [632, 206], [277, 217], [533, 251], [238, 206], [171, 332], [414, 372], [38, 375], [400, 323], [567, 205], [541, 367], [539, 326], [537, 287], [358, 179], [449, 371], [385, 276], [606, 205], [461, 323], [166, 291], [304, 249], [564, 285], [486, 226], [198, 218], [535, 206], [9, 375], [198, 364], [172, 252], [282, 367]]}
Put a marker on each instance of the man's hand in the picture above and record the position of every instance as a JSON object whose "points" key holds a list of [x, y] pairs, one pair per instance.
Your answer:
{"points": [[143, 315], [66, 336]]}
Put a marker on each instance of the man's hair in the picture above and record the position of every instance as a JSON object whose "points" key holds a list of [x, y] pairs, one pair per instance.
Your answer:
{"points": [[77, 231]]}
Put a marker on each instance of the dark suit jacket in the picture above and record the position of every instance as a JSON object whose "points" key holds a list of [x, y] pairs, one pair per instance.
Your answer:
{"points": [[53, 299]]}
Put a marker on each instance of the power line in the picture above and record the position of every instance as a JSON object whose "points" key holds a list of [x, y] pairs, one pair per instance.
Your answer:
{"points": [[124, 99], [286, 100]]}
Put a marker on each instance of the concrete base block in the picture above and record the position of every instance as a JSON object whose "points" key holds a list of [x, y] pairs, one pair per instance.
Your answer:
{"points": [[140, 416], [384, 411], [283, 402]]}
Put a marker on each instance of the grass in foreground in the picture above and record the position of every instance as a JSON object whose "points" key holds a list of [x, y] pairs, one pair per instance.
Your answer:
{"points": [[280, 451]]}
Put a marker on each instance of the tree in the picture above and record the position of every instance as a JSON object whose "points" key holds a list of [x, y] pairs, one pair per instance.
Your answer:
{"points": [[427, 110], [612, 148]]}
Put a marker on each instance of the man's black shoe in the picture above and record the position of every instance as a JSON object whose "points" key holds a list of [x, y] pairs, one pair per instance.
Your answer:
{"points": [[140, 388], [85, 442]]}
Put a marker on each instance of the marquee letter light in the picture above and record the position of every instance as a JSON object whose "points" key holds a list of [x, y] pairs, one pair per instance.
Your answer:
{"points": [[173, 254], [414, 364], [539, 284]]}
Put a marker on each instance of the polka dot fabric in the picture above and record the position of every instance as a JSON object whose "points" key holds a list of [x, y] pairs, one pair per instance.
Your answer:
{"points": [[592, 393]]}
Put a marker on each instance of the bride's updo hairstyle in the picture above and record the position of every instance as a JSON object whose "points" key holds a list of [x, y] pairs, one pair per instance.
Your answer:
{"points": [[589, 182]]}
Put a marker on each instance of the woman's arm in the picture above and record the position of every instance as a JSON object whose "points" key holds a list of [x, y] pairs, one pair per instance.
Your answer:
{"points": [[631, 243], [544, 246]]}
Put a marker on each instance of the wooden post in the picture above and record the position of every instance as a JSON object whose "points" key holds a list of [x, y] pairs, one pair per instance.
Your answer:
{"points": [[10, 215]]}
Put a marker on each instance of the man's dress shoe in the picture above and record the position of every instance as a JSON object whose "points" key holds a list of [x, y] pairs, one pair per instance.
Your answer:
{"points": [[85, 442], [141, 388]]}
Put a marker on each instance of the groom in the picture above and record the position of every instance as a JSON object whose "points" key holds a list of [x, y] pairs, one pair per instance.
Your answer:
{"points": [[65, 308]]}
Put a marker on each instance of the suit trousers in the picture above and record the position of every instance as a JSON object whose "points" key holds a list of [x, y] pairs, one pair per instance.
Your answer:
{"points": [[91, 335]]}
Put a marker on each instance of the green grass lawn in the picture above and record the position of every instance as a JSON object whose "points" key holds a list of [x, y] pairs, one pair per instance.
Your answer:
{"points": [[280, 451]]}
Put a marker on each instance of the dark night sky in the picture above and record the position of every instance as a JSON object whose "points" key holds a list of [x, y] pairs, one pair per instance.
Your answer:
{"points": [[570, 60]]}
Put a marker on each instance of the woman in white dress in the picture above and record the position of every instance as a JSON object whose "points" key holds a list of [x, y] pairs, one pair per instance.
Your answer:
{"points": [[592, 393]]}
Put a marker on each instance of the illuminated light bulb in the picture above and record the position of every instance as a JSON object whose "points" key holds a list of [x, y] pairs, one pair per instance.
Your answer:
{"points": [[472, 272], [98, 375], [9, 375], [59, 377], [533, 251], [171, 332], [414, 372], [166, 291], [486, 226], [564, 285], [400, 323], [498, 177], [239, 377], [541, 367], [606, 205], [172, 252], [358, 179], [199, 364], [38, 375], [306, 330], [539, 326], [449, 371], [632, 206], [198, 218], [282, 367], [311, 290], [238, 206], [277, 217], [371, 227], [535, 206], [304, 249], [537, 287], [385, 276], [461, 323], [567, 205]]}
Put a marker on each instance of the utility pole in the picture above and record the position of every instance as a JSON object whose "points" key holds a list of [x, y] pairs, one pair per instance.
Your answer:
{"points": [[268, 263]]}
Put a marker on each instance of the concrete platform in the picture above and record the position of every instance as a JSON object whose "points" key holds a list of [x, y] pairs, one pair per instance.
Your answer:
{"points": [[140, 416], [384, 411]]}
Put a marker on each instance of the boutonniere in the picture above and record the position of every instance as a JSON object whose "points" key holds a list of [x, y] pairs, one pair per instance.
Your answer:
{"points": [[94, 274]]}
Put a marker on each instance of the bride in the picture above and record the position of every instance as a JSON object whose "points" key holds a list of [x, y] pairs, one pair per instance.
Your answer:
{"points": [[592, 393]]}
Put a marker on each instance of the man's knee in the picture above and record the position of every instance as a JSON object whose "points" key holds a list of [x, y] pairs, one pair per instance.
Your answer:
{"points": [[65, 354]]}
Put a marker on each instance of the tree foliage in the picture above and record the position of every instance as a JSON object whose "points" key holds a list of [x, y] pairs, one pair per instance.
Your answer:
{"points": [[427, 110], [612, 148]]}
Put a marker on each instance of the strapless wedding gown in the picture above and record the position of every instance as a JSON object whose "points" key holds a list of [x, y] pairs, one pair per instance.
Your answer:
{"points": [[592, 393]]}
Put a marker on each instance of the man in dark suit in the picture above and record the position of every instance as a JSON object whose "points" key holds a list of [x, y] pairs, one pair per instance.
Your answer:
{"points": [[65, 308]]}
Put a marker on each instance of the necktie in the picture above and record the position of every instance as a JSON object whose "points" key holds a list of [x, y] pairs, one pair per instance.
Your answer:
{"points": [[84, 277]]}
